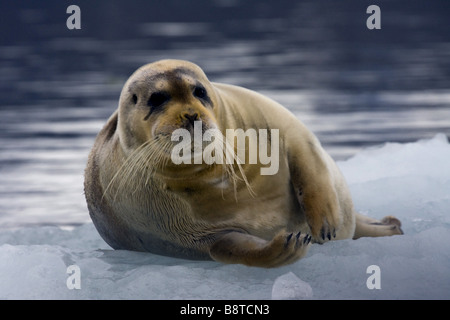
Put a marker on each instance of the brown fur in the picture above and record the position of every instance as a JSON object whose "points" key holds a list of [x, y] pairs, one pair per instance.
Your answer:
{"points": [[139, 200]]}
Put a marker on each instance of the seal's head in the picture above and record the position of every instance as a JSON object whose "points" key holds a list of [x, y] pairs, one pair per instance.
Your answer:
{"points": [[161, 97], [156, 101]]}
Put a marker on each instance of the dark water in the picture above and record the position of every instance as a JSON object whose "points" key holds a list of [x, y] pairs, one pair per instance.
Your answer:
{"points": [[353, 87]]}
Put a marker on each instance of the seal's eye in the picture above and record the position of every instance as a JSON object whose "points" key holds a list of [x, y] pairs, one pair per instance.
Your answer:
{"points": [[134, 98], [200, 92], [157, 99]]}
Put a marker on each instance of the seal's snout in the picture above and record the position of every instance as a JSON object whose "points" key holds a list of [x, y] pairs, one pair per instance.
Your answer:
{"points": [[191, 117], [194, 118]]}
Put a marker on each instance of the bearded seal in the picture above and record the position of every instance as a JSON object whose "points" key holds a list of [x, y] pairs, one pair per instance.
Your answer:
{"points": [[227, 211]]}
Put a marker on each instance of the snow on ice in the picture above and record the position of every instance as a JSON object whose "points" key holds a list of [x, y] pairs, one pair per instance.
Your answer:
{"points": [[410, 181]]}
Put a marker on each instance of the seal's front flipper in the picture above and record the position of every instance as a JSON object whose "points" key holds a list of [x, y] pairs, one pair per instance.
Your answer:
{"points": [[237, 247], [320, 209], [315, 191]]}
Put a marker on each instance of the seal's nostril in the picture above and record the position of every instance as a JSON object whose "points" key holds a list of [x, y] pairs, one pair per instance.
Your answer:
{"points": [[191, 117]]}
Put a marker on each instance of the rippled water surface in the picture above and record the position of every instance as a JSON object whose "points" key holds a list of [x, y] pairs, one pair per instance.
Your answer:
{"points": [[354, 87]]}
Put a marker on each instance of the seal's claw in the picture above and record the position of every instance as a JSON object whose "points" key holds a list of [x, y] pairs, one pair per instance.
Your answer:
{"points": [[288, 238], [307, 239]]}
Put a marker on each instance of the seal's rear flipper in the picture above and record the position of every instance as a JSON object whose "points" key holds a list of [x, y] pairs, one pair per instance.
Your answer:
{"points": [[368, 227]]}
